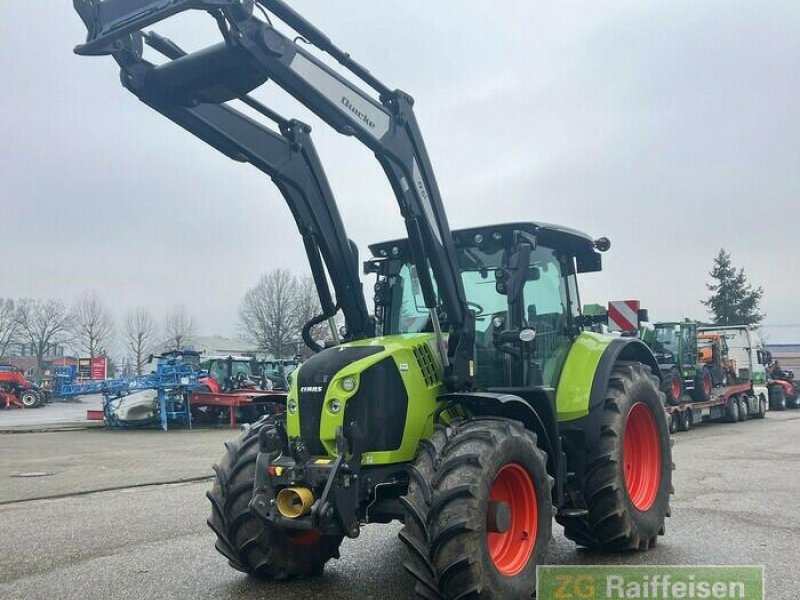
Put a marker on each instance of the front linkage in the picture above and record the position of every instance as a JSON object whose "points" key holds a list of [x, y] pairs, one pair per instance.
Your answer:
{"points": [[331, 496]]}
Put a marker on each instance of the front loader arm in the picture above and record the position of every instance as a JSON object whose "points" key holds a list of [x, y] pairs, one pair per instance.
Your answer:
{"points": [[254, 51], [289, 158]]}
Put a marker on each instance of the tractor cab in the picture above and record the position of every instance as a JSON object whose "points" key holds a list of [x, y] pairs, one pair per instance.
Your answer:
{"points": [[520, 281], [230, 373], [712, 351]]}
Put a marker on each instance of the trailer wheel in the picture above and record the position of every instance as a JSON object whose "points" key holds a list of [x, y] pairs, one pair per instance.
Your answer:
{"points": [[672, 420], [250, 544], [629, 474], [703, 385], [762, 407], [29, 398], [744, 407], [673, 387], [478, 511], [685, 422], [732, 410], [777, 398]]}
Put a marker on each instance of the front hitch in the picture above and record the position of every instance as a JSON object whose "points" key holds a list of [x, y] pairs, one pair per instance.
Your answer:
{"points": [[283, 465]]}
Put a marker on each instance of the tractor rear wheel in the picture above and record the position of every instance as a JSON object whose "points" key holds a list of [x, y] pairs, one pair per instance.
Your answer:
{"points": [[673, 387], [777, 398], [29, 399], [478, 511], [703, 385], [629, 469], [251, 544]]}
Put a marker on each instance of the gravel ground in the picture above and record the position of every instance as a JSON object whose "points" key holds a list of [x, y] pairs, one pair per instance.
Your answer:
{"points": [[734, 486]]}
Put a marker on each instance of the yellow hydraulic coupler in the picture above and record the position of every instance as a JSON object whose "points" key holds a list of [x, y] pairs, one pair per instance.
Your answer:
{"points": [[294, 502]]}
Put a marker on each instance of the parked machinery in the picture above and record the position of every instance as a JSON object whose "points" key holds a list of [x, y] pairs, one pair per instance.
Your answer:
{"points": [[235, 386], [481, 410], [784, 390], [676, 348], [17, 390]]}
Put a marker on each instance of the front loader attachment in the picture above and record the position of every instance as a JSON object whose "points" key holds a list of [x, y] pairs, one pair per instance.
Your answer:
{"points": [[111, 23], [382, 119]]}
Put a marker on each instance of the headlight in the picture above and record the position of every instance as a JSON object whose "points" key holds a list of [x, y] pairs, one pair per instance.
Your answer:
{"points": [[348, 384], [292, 406]]}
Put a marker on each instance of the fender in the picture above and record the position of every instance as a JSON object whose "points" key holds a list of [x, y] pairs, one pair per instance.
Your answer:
{"points": [[584, 379], [533, 407], [212, 384], [788, 388]]}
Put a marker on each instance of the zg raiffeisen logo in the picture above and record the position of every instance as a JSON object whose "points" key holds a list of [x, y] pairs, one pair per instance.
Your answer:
{"points": [[650, 583]]}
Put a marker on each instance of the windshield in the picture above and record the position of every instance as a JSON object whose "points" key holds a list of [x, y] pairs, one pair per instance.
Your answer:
{"points": [[544, 292], [667, 338]]}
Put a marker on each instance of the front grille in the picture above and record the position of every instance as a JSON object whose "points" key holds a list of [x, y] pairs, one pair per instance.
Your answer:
{"points": [[315, 375], [380, 407], [427, 364]]}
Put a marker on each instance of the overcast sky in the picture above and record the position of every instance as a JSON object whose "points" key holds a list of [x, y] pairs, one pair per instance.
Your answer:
{"points": [[671, 127]]}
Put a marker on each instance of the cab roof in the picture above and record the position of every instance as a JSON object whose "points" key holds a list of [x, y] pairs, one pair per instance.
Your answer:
{"points": [[549, 234]]}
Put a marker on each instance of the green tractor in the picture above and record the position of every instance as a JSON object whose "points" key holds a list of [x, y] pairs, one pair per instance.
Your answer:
{"points": [[473, 405], [677, 349]]}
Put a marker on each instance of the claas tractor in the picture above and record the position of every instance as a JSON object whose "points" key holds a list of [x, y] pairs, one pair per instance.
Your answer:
{"points": [[473, 404], [17, 390]]}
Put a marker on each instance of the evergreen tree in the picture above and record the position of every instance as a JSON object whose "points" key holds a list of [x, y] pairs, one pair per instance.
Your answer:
{"points": [[733, 300]]}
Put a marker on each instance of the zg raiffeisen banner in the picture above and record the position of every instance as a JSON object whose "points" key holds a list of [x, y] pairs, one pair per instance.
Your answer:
{"points": [[649, 582]]}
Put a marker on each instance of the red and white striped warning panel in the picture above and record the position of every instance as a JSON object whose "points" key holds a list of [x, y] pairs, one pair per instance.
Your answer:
{"points": [[623, 315]]}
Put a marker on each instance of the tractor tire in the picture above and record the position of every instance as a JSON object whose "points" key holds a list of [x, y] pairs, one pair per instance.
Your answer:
{"points": [[251, 544], [629, 473], [673, 387], [703, 386], [30, 399], [762, 407], [732, 410], [777, 398], [672, 420], [685, 421], [468, 479]]}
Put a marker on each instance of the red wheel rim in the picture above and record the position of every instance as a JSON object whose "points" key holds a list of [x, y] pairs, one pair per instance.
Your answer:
{"points": [[642, 457], [707, 384], [676, 388], [304, 538], [510, 551]]}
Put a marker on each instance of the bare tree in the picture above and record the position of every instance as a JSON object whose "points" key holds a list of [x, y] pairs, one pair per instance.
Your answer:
{"points": [[306, 307], [44, 324], [9, 325], [267, 315], [92, 324], [179, 327], [140, 333]]}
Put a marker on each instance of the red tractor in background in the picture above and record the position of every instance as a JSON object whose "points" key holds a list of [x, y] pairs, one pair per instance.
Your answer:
{"points": [[236, 385], [16, 390], [784, 391]]}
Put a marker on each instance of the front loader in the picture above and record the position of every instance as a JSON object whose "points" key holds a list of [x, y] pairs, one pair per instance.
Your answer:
{"points": [[473, 408]]}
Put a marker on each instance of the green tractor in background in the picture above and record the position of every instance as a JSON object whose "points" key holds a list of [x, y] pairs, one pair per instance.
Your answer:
{"points": [[677, 349], [473, 405]]}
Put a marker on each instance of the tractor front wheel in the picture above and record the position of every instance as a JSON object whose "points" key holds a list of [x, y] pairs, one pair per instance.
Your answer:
{"points": [[251, 544], [629, 468], [478, 511]]}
